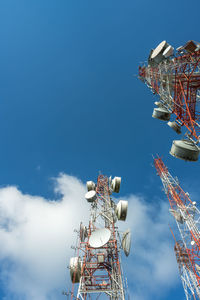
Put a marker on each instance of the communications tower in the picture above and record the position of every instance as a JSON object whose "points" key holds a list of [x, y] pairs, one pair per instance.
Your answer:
{"points": [[96, 267], [174, 76], [187, 217]]}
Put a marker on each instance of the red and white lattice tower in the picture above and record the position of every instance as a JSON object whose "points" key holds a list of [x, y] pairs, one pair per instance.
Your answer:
{"points": [[187, 217], [96, 267], [175, 78]]}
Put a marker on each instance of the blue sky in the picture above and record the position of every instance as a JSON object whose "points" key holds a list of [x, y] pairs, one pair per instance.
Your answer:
{"points": [[71, 101]]}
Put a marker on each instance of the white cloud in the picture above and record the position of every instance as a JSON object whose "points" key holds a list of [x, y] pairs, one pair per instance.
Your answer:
{"points": [[36, 236]]}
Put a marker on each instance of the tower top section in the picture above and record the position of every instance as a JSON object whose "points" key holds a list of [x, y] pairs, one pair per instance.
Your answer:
{"points": [[174, 77]]}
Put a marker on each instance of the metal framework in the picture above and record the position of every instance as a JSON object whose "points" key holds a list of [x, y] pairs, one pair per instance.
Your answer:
{"points": [[187, 217], [188, 279], [101, 271], [177, 82]]}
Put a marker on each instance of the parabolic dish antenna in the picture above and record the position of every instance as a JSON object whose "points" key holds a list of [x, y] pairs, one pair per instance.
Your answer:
{"points": [[121, 210], [83, 232], [168, 51], [99, 237], [126, 242], [161, 113], [185, 149], [159, 49], [90, 186], [91, 196], [115, 184], [176, 127]]}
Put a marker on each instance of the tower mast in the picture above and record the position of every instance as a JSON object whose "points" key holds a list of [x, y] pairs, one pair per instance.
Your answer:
{"points": [[97, 267], [175, 78], [187, 217]]}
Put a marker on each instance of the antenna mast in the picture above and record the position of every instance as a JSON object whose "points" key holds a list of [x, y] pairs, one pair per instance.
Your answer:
{"points": [[175, 78], [187, 217], [97, 264]]}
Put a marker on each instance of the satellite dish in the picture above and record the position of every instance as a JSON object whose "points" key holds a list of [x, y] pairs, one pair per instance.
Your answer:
{"points": [[121, 210], [90, 186], [126, 242], [91, 196], [115, 184], [99, 237], [157, 54], [75, 266], [159, 49], [184, 149], [175, 126], [169, 51], [161, 113], [83, 232]]}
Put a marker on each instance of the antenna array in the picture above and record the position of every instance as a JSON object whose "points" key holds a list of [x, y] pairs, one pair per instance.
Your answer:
{"points": [[175, 78], [97, 264]]}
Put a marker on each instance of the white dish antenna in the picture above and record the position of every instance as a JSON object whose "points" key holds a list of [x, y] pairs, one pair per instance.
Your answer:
{"points": [[83, 232], [161, 113], [115, 184], [90, 186], [159, 49], [99, 237], [157, 54], [121, 210], [176, 127], [126, 242], [91, 196], [185, 149], [169, 51]]}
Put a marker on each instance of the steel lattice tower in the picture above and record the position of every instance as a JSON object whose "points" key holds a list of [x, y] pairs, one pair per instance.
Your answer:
{"points": [[187, 217], [175, 78], [97, 264]]}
